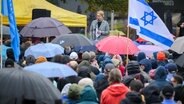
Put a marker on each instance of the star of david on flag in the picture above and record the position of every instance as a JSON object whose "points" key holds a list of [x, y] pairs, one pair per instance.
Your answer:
{"points": [[148, 24], [145, 18]]}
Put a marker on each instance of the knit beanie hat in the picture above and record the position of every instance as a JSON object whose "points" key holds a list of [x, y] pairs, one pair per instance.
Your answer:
{"points": [[161, 56], [74, 92], [85, 81], [109, 66], [133, 68], [171, 67], [140, 56], [86, 56], [147, 64], [41, 59]]}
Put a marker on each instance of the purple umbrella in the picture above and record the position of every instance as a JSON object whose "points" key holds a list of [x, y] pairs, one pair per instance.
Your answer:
{"points": [[44, 27]]}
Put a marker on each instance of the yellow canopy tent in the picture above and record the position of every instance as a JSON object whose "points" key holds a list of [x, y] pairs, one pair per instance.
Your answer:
{"points": [[23, 13]]}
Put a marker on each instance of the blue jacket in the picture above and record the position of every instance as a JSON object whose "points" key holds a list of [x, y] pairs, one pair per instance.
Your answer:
{"points": [[160, 78]]}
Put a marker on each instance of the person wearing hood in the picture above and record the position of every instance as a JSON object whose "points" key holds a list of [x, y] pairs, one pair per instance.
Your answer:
{"points": [[171, 69], [116, 90], [154, 65], [140, 56], [88, 96], [64, 93], [106, 60], [145, 67], [133, 71], [160, 78]]}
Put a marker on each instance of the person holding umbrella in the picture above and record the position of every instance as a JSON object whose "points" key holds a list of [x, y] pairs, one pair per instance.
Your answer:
{"points": [[99, 27]]}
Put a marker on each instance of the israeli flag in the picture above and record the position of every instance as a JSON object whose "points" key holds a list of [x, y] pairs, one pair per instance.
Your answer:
{"points": [[148, 24]]}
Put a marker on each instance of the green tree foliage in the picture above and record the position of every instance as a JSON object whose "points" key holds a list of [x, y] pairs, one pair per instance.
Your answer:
{"points": [[119, 6]]}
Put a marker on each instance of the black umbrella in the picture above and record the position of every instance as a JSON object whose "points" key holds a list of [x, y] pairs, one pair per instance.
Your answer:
{"points": [[44, 27], [78, 41], [179, 61], [18, 86]]}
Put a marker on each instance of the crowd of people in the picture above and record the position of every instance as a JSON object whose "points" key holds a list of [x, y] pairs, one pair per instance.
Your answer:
{"points": [[108, 79]]}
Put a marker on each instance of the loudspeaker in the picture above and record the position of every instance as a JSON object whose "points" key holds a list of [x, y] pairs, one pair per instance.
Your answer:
{"points": [[37, 13], [159, 8]]}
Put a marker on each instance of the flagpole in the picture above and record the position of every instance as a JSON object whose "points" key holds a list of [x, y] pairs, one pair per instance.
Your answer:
{"points": [[128, 34], [1, 41]]}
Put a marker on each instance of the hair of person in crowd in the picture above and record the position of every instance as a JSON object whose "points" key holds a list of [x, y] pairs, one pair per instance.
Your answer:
{"points": [[57, 59], [101, 13], [168, 92], [177, 80], [65, 59], [92, 56], [115, 76], [136, 85], [73, 65], [41, 59], [84, 72], [86, 56], [10, 54], [9, 63]]}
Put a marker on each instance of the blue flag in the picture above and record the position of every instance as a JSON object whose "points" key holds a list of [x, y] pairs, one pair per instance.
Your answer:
{"points": [[8, 10], [148, 24], [4, 7]]}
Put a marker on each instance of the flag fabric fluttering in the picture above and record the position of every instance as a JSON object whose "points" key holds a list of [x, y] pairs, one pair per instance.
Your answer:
{"points": [[148, 24], [8, 10]]}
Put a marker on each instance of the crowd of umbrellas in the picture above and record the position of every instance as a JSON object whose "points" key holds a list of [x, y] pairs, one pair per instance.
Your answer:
{"points": [[16, 83]]}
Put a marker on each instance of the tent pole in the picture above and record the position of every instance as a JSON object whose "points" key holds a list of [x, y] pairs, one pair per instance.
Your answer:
{"points": [[86, 32], [1, 41]]}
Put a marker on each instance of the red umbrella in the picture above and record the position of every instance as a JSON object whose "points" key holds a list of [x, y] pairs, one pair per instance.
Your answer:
{"points": [[117, 45]]}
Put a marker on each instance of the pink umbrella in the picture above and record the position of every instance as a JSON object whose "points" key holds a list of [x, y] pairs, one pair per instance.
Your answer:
{"points": [[117, 45], [150, 49]]}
